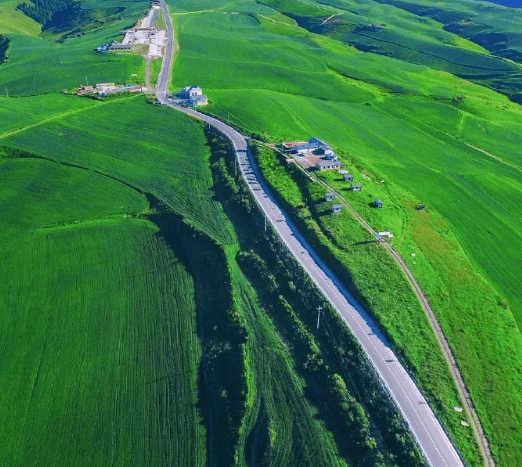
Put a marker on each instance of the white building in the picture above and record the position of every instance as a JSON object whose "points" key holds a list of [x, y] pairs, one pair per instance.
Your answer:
{"points": [[193, 91]]}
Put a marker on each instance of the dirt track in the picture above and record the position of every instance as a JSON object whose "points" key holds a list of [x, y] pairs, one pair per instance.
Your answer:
{"points": [[441, 338]]}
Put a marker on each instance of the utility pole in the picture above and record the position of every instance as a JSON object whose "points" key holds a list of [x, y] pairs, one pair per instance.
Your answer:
{"points": [[265, 222], [6, 93], [86, 80], [319, 308]]}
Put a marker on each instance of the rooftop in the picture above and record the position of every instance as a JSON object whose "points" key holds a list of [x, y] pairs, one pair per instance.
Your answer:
{"points": [[328, 164]]}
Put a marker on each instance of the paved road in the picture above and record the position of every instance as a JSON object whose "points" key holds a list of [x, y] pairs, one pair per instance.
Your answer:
{"points": [[163, 80], [432, 439]]}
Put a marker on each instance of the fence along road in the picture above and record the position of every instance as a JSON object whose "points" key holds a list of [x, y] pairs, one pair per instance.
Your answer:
{"points": [[432, 439]]}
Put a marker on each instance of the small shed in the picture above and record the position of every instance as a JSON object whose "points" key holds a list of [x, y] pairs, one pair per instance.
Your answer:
{"points": [[348, 177], [329, 196], [377, 203], [337, 208], [356, 187]]}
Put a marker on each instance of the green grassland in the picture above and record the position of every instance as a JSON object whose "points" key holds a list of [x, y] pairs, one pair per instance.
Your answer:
{"points": [[34, 62], [104, 353], [20, 114], [93, 307], [284, 343], [124, 347], [117, 334], [372, 275], [407, 34], [492, 27], [13, 21], [121, 139], [414, 127]]}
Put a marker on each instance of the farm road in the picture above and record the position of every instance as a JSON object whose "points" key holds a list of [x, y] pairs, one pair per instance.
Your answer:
{"points": [[432, 439]]}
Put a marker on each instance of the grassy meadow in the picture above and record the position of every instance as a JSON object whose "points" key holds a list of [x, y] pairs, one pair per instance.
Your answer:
{"points": [[118, 335], [433, 137], [144, 321], [121, 139], [112, 322], [93, 310], [35, 60]]}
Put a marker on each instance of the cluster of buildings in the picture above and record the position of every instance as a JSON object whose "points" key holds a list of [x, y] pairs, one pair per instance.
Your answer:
{"points": [[145, 34], [339, 207], [191, 96], [104, 89], [106, 47], [315, 146], [320, 155]]}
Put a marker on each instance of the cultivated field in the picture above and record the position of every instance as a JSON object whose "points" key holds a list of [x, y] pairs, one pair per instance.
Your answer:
{"points": [[113, 319], [95, 308], [123, 139]]}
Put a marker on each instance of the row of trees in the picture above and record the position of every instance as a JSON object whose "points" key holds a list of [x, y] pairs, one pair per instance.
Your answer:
{"points": [[58, 15], [4, 45], [341, 383]]}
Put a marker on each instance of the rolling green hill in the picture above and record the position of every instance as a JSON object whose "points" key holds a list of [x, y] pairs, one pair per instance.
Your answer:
{"points": [[118, 333], [433, 137], [123, 346], [85, 365], [13, 21]]}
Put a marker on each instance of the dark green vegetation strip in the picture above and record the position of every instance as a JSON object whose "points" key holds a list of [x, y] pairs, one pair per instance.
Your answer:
{"points": [[366, 425], [222, 385], [4, 45], [56, 14]]}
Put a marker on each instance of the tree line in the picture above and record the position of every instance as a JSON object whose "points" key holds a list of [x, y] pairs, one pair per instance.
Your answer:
{"points": [[4, 45], [59, 15]]}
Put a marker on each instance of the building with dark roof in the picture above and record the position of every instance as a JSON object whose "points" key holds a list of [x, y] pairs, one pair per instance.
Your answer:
{"points": [[118, 46]]}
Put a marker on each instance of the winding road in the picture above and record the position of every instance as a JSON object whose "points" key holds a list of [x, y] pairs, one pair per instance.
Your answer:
{"points": [[432, 439]]}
